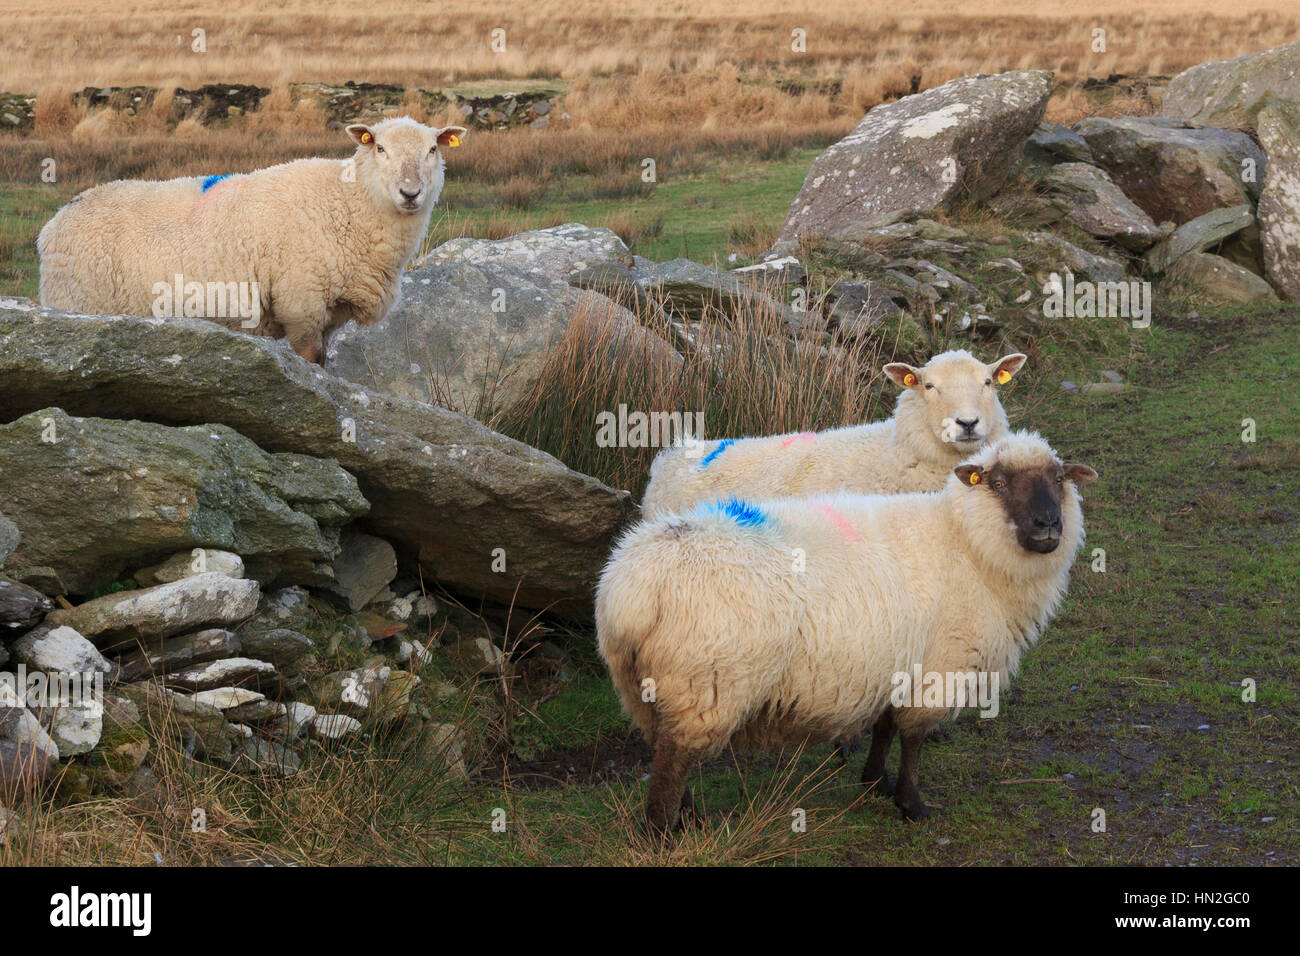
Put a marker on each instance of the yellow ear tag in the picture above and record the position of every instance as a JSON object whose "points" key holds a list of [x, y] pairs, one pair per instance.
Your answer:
{"points": [[974, 477], [454, 141], [1003, 377], [909, 379], [366, 138]]}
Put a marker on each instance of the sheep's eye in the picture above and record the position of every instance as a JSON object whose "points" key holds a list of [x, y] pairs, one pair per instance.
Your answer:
{"points": [[998, 485], [380, 148], [432, 151], [1060, 479], [928, 386], [988, 381]]}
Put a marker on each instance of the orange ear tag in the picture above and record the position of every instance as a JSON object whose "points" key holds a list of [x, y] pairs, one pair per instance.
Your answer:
{"points": [[366, 138], [974, 477], [909, 379], [454, 141], [1003, 377]]}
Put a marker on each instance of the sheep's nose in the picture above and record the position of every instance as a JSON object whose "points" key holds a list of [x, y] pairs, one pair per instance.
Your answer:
{"points": [[968, 424], [1047, 522], [408, 195]]}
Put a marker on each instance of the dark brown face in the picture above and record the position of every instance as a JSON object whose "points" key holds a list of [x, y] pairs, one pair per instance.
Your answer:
{"points": [[1030, 498]]}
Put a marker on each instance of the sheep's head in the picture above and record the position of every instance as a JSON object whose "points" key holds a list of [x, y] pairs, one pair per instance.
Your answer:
{"points": [[400, 160], [956, 395], [1018, 488]]}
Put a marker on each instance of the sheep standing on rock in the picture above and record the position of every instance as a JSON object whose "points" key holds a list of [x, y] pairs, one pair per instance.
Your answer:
{"points": [[788, 621], [948, 409], [304, 246]]}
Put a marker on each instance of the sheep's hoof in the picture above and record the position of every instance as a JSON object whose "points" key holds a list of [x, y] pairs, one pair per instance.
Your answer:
{"points": [[689, 815], [881, 786], [915, 811]]}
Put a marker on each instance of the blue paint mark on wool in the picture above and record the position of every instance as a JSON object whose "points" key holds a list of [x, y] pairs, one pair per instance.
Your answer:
{"points": [[722, 446], [742, 512], [211, 181]]}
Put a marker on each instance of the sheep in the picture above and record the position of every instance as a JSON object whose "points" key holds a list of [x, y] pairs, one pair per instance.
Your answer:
{"points": [[948, 409], [302, 247], [782, 622]]}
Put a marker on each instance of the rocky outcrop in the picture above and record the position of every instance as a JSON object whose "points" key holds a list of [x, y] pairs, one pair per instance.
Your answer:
{"points": [[440, 484], [1097, 206], [559, 252], [919, 154]]}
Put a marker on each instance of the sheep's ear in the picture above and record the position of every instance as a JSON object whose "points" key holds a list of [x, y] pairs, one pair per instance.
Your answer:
{"points": [[1005, 367], [969, 474], [1079, 474], [451, 135], [361, 134], [903, 375]]}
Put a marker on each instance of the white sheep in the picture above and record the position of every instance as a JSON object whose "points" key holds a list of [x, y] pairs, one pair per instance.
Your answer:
{"points": [[788, 621], [293, 250], [948, 409]]}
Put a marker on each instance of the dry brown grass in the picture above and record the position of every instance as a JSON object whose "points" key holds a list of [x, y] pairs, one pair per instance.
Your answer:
{"points": [[874, 48]]}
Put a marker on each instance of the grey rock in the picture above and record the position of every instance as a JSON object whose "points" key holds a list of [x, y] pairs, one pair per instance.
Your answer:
{"points": [[188, 563], [152, 614], [1279, 205], [18, 721], [1231, 93], [9, 538], [155, 488], [228, 672], [267, 757], [861, 305], [1203, 277], [21, 606], [280, 646], [178, 653], [59, 649], [919, 154], [1171, 171], [1101, 388], [364, 567], [23, 767], [1199, 234], [335, 726], [558, 252], [199, 727], [1058, 144], [439, 484], [1097, 206]]}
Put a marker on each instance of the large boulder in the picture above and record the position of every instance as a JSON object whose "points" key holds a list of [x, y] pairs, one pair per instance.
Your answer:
{"points": [[94, 496], [1097, 206], [441, 484], [9, 538], [1171, 170], [559, 252], [1279, 204], [1231, 92], [919, 154], [474, 336]]}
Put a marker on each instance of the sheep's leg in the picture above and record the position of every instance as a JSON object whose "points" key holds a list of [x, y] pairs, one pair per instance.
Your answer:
{"points": [[667, 785], [907, 797], [846, 745], [875, 771]]}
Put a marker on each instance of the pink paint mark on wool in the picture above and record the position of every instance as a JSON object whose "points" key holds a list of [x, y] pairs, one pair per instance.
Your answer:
{"points": [[841, 523], [802, 436]]}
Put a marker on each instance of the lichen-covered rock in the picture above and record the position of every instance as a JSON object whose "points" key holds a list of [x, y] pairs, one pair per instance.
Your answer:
{"points": [[21, 606], [919, 154], [559, 252], [365, 566], [335, 726], [280, 645], [230, 672], [1279, 204], [9, 538], [94, 495], [1231, 93], [1199, 234]]}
